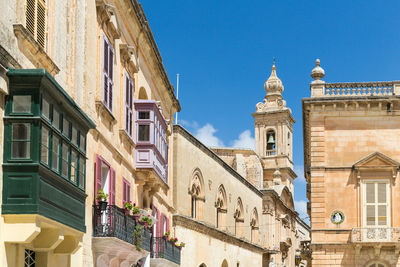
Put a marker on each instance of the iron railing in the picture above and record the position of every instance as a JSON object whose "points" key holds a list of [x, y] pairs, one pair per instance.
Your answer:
{"points": [[375, 234], [114, 222], [165, 249]]}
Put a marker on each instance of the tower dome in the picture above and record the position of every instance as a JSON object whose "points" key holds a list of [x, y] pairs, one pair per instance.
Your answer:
{"points": [[273, 85]]}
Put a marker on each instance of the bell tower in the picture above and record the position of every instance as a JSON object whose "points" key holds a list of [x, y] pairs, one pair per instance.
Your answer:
{"points": [[274, 135]]}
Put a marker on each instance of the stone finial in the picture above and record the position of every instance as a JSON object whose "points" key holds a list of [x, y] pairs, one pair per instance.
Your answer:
{"points": [[317, 73], [273, 85]]}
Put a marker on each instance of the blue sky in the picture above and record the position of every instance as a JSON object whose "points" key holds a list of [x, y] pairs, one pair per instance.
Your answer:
{"points": [[223, 51]]}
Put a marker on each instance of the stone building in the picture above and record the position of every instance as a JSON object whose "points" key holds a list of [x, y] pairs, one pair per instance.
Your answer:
{"points": [[236, 205], [351, 166], [86, 104]]}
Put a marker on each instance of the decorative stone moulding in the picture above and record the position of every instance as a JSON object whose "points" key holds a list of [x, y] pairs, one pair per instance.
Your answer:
{"points": [[337, 217], [33, 51], [108, 19], [128, 56]]}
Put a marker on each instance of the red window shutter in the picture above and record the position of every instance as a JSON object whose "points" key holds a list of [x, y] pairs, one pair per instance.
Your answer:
{"points": [[166, 223], [128, 192], [98, 178], [112, 187], [124, 191]]}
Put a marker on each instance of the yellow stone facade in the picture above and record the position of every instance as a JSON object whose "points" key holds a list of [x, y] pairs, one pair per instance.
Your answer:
{"points": [[351, 162]]}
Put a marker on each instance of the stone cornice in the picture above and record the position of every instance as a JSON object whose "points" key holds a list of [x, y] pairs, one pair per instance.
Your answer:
{"points": [[204, 228], [137, 7], [179, 129]]}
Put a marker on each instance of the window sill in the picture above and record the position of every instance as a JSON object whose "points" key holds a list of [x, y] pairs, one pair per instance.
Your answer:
{"points": [[33, 51], [125, 136], [104, 111]]}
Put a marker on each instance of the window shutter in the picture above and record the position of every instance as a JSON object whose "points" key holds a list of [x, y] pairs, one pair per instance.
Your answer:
{"points": [[41, 23], [112, 187], [98, 178], [128, 192], [124, 199], [110, 70], [30, 16], [105, 72]]}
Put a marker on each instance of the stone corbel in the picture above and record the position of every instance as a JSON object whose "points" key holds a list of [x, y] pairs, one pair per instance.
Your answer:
{"points": [[108, 19], [377, 250], [128, 57], [358, 249]]}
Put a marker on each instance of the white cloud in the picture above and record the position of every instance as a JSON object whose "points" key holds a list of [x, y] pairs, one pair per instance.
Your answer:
{"points": [[189, 124], [301, 208], [206, 135], [299, 170], [244, 141]]}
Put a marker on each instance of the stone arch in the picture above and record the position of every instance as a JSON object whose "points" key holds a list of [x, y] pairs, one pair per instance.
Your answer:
{"points": [[203, 265], [143, 94], [254, 226], [224, 263], [239, 217], [221, 205], [376, 263], [270, 142], [197, 192]]}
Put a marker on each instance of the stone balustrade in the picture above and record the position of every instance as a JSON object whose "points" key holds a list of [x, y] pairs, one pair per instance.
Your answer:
{"points": [[359, 89], [375, 234]]}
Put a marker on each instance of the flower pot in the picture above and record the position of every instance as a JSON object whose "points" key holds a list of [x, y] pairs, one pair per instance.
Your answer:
{"points": [[126, 212], [136, 218], [145, 224], [103, 205], [165, 238]]}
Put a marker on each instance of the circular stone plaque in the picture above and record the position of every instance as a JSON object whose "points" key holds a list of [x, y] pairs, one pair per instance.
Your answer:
{"points": [[337, 217]]}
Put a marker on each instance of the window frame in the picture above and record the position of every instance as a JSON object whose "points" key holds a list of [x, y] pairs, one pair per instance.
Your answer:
{"points": [[28, 141], [364, 183], [108, 74], [34, 31], [128, 100]]}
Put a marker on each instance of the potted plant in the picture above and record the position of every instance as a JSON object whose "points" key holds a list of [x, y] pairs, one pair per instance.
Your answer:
{"points": [[138, 237], [173, 240], [135, 212], [166, 236], [181, 245], [102, 199], [146, 220], [128, 207]]}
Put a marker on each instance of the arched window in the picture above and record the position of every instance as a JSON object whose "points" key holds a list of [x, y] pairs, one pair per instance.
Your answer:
{"points": [[220, 204], [196, 191], [202, 265], [143, 93], [271, 142], [254, 226], [239, 219], [224, 264]]}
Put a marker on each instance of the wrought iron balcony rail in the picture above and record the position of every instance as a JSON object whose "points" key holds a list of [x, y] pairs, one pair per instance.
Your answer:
{"points": [[359, 89], [165, 249], [376, 234], [113, 222]]}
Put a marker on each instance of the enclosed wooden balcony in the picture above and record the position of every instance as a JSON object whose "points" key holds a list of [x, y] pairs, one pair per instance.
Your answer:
{"points": [[151, 151]]}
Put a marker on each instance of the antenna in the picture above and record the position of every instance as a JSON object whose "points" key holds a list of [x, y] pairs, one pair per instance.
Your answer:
{"points": [[177, 95]]}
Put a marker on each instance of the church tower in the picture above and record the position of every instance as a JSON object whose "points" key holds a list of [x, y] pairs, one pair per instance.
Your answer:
{"points": [[274, 135]]}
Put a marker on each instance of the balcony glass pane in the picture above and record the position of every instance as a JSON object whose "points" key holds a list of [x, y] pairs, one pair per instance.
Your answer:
{"points": [[382, 193], [370, 193], [64, 160], [55, 152], [56, 119], [73, 166], [44, 154], [74, 137], [382, 217], [144, 115], [45, 108], [21, 104], [81, 172], [144, 133], [370, 215], [66, 127], [21, 133]]}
